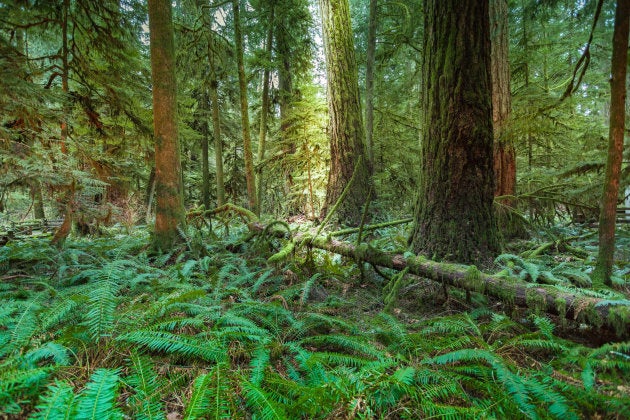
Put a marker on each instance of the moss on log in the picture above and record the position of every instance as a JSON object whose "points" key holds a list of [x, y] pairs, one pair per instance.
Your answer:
{"points": [[599, 313]]}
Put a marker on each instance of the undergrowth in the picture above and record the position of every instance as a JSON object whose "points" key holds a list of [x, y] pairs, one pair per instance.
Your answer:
{"points": [[103, 330]]}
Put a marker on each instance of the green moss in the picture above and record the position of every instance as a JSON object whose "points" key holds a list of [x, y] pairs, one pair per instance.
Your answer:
{"points": [[619, 319], [590, 316], [535, 300], [473, 280], [561, 307]]}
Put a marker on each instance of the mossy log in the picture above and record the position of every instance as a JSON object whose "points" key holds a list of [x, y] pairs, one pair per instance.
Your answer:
{"points": [[599, 313]]}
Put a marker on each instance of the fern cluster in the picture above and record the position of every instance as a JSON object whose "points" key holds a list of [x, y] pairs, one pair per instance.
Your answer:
{"points": [[90, 332]]}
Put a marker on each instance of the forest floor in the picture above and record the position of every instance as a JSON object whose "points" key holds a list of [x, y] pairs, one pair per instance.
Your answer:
{"points": [[102, 328]]}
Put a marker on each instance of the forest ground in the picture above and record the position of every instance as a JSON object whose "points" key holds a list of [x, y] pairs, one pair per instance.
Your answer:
{"points": [[103, 328]]}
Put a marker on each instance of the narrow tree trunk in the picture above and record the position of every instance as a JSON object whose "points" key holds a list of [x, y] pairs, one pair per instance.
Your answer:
{"points": [[454, 218], [369, 81], [285, 96], [205, 170], [610, 196], [168, 182], [218, 143], [504, 152], [250, 177], [348, 161], [264, 110]]}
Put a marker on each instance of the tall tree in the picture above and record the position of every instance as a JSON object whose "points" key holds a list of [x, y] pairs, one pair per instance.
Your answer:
{"points": [[610, 196], [454, 217], [369, 80], [250, 177], [348, 161], [264, 106], [168, 181], [504, 152]]}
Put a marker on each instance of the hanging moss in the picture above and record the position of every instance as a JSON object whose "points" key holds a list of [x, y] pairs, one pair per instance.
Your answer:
{"points": [[619, 319], [561, 307], [535, 301], [473, 280]]}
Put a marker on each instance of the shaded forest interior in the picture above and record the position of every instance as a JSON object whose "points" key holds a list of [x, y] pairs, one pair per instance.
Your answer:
{"points": [[317, 209]]}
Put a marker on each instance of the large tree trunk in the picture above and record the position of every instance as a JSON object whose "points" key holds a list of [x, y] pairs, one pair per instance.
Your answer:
{"points": [[454, 218], [348, 161], [504, 152], [610, 196], [205, 170], [168, 181], [250, 177], [369, 81]]}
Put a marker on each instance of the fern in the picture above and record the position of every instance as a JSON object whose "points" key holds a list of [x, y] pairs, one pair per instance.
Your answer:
{"points": [[178, 344], [97, 401], [199, 401], [57, 404], [146, 385], [259, 401], [102, 305], [219, 392]]}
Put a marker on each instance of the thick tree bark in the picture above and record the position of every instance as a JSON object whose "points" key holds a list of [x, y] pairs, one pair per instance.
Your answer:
{"points": [[454, 218], [168, 181], [264, 109], [512, 291], [345, 126], [610, 196], [369, 81], [504, 152], [250, 177]]}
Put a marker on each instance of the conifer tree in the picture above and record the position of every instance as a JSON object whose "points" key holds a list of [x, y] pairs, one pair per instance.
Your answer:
{"points": [[605, 256], [349, 167], [454, 217], [168, 181]]}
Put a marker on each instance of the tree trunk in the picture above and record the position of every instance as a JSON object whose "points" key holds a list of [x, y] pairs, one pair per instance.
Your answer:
{"points": [[205, 170], [285, 97], [369, 81], [264, 109], [218, 142], [168, 182], [345, 126], [250, 177], [610, 196], [504, 152], [454, 218]]}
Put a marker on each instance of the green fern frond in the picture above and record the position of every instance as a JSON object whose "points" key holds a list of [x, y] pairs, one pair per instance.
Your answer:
{"points": [[98, 400], [146, 402], [101, 308], [56, 404], [199, 401], [351, 344], [178, 344], [50, 350], [259, 363], [261, 403], [308, 286], [220, 393]]}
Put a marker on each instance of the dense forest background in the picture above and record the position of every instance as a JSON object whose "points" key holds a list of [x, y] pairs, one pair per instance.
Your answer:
{"points": [[247, 209]]}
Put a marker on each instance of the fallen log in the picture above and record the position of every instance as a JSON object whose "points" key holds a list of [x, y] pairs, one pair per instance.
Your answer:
{"points": [[600, 313]]}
